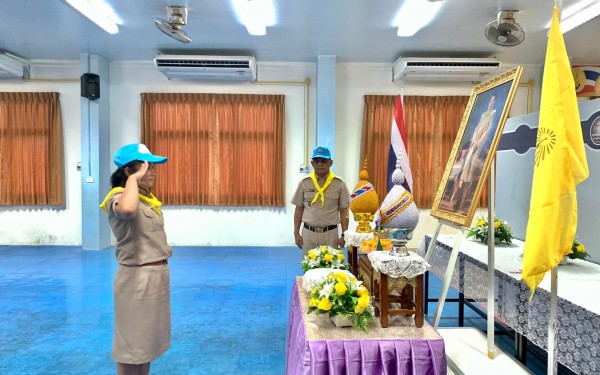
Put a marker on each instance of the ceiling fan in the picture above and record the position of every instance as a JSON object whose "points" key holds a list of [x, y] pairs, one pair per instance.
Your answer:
{"points": [[177, 16], [505, 31]]}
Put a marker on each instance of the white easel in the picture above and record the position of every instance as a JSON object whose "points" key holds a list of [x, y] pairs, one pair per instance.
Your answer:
{"points": [[454, 254]]}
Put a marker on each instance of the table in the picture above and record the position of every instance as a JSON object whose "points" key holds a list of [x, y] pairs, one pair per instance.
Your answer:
{"points": [[353, 241], [316, 346], [578, 304], [353, 259], [409, 298]]}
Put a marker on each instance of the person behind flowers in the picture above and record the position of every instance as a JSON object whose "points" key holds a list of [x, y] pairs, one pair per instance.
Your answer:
{"points": [[142, 306], [321, 201]]}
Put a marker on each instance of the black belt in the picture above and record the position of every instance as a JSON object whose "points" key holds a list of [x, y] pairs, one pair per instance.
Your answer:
{"points": [[320, 229], [157, 263]]}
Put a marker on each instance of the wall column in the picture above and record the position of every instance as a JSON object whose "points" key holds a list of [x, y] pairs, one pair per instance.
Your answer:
{"points": [[326, 84], [96, 161]]}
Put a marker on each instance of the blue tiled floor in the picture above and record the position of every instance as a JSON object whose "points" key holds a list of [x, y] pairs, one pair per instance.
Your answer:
{"points": [[229, 310]]}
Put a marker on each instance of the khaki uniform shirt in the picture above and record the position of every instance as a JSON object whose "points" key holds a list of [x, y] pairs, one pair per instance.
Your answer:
{"points": [[317, 214], [140, 240]]}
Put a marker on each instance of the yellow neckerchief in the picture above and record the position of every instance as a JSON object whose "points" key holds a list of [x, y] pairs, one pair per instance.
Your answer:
{"points": [[154, 203], [321, 190]]}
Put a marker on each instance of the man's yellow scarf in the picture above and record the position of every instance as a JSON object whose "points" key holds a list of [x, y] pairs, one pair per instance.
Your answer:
{"points": [[154, 203], [321, 190]]}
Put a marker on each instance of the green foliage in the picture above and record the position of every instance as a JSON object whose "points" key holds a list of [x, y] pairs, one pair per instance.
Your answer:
{"points": [[578, 251], [479, 231]]}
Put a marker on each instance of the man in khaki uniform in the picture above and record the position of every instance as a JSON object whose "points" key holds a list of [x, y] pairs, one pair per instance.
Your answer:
{"points": [[321, 202]]}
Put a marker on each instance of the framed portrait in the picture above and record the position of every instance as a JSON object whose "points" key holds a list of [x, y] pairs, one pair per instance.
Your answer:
{"points": [[474, 148]]}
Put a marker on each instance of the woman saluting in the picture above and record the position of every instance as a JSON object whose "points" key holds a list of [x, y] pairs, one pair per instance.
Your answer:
{"points": [[142, 306]]}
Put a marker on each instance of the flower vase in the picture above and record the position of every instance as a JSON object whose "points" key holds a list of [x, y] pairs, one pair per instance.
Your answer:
{"points": [[497, 241], [340, 321], [565, 260]]}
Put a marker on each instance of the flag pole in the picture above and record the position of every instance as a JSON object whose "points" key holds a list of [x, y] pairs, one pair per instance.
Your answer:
{"points": [[553, 324], [448, 277], [561, 165], [491, 309], [433, 241]]}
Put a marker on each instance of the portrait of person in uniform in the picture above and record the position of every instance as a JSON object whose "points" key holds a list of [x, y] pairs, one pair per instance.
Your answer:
{"points": [[142, 302], [475, 148], [321, 201], [473, 160]]}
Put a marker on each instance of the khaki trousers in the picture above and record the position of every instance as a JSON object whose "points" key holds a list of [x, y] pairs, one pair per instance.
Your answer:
{"points": [[311, 239]]}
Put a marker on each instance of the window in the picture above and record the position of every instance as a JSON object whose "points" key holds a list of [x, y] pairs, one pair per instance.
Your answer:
{"points": [[432, 123], [223, 149], [31, 149]]}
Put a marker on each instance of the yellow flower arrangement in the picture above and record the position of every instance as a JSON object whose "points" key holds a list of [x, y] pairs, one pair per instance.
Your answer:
{"points": [[502, 231], [324, 257], [344, 296], [578, 251]]}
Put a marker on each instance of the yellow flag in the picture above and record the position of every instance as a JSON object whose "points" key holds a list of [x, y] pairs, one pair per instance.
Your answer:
{"points": [[560, 164]]}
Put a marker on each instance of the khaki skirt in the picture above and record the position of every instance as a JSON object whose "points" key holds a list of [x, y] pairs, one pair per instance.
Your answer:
{"points": [[142, 313]]}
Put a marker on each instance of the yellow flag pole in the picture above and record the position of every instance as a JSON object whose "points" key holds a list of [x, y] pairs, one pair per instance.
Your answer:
{"points": [[491, 309], [553, 324], [553, 320]]}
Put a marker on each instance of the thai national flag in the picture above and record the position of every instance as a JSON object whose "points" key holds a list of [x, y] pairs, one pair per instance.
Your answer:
{"points": [[398, 147]]}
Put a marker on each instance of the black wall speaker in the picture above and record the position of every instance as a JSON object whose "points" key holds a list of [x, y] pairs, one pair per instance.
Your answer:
{"points": [[90, 86]]}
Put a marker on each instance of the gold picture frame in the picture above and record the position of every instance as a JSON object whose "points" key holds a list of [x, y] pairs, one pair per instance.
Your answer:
{"points": [[474, 148]]}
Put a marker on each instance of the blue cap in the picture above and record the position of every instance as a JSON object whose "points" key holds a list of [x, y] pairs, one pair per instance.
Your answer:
{"points": [[321, 152], [136, 151]]}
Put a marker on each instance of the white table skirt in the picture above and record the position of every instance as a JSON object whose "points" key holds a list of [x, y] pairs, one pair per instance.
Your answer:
{"points": [[578, 302]]}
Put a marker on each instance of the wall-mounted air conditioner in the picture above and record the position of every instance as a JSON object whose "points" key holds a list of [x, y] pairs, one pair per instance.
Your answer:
{"points": [[12, 66], [444, 69], [199, 67]]}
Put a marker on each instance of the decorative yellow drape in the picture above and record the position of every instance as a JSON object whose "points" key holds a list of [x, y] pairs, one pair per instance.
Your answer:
{"points": [[431, 122], [223, 149], [31, 149]]}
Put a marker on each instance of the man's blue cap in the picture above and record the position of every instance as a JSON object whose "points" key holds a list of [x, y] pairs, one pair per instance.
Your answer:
{"points": [[321, 152], [136, 151]]}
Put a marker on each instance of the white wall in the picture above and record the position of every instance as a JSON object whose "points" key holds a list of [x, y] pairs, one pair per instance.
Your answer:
{"points": [[38, 225], [215, 225], [513, 201]]}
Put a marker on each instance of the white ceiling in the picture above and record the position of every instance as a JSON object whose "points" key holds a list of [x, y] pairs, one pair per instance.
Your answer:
{"points": [[353, 30]]}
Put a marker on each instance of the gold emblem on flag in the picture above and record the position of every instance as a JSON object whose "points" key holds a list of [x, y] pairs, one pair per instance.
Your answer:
{"points": [[546, 140]]}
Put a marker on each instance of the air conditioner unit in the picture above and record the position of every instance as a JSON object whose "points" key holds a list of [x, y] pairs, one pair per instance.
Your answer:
{"points": [[444, 69], [12, 66], [197, 67]]}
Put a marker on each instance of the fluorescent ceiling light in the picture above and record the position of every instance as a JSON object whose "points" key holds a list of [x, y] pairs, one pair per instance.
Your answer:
{"points": [[578, 14], [414, 15], [256, 15], [98, 12]]}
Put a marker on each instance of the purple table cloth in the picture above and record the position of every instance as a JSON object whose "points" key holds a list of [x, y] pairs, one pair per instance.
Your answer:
{"points": [[316, 347]]}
